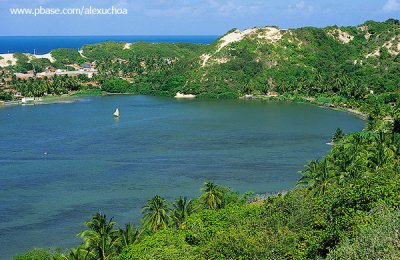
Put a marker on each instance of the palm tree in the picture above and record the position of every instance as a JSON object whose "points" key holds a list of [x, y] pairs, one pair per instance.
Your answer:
{"points": [[381, 154], [338, 135], [357, 139], [317, 176], [182, 209], [100, 239], [339, 81], [213, 195], [156, 214], [78, 254], [395, 144], [358, 167], [129, 235], [341, 158], [308, 174], [324, 176]]}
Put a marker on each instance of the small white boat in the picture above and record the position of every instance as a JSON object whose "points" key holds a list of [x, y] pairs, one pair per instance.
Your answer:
{"points": [[116, 113]]}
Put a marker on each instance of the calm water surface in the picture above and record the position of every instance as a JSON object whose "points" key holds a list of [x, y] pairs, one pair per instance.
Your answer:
{"points": [[60, 163]]}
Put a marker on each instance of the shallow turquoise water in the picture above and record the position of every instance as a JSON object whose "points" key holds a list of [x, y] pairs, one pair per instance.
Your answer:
{"points": [[158, 146]]}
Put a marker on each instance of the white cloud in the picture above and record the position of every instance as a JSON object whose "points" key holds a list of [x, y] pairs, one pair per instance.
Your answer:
{"points": [[173, 11], [122, 4], [391, 6], [300, 8], [227, 8], [203, 8]]}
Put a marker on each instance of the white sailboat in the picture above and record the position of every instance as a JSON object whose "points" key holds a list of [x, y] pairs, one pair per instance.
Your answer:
{"points": [[116, 113]]}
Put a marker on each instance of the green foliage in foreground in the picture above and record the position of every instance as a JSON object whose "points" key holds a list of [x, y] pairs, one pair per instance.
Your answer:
{"points": [[304, 223], [345, 207], [380, 240], [40, 254], [156, 214]]}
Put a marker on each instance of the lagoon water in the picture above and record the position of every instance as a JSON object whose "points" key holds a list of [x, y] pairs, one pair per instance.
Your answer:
{"points": [[60, 163]]}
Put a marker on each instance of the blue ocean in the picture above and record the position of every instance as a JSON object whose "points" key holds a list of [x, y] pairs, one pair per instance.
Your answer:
{"points": [[44, 44]]}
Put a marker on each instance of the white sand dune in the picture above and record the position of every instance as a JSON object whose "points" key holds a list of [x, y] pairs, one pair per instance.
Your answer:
{"points": [[234, 36], [341, 36], [42, 56], [8, 58], [267, 34]]}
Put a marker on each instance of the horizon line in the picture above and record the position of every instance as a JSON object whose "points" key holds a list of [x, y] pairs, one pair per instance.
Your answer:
{"points": [[127, 35], [255, 26]]}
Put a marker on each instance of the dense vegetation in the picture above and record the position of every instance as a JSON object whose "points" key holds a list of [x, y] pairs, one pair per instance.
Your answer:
{"points": [[316, 63], [346, 204], [339, 65], [311, 62], [56, 86], [67, 56], [117, 86]]}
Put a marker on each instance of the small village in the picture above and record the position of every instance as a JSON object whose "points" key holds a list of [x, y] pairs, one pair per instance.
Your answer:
{"points": [[86, 71]]}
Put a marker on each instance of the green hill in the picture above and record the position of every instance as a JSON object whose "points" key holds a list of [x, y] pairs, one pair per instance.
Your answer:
{"points": [[350, 61]]}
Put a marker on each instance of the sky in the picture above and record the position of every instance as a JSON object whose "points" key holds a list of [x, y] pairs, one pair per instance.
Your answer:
{"points": [[189, 17]]}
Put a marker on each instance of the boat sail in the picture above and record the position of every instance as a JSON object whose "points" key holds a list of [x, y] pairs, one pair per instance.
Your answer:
{"points": [[116, 113]]}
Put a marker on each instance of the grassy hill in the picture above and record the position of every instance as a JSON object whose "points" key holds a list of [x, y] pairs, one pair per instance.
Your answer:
{"points": [[306, 60]]}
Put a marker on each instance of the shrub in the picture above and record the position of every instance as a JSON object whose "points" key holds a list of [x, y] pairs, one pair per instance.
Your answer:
{"points": [[117, 86], [381, 240], [40, 254]]}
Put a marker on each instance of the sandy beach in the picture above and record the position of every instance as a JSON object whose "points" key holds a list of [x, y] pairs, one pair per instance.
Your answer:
{"points": [[182, 95]]}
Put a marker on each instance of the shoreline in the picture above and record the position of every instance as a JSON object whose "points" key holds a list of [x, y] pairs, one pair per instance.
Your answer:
{"points": [[41, 101], [258, 199], [73, 97], [307, 100], [61, 99]]}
